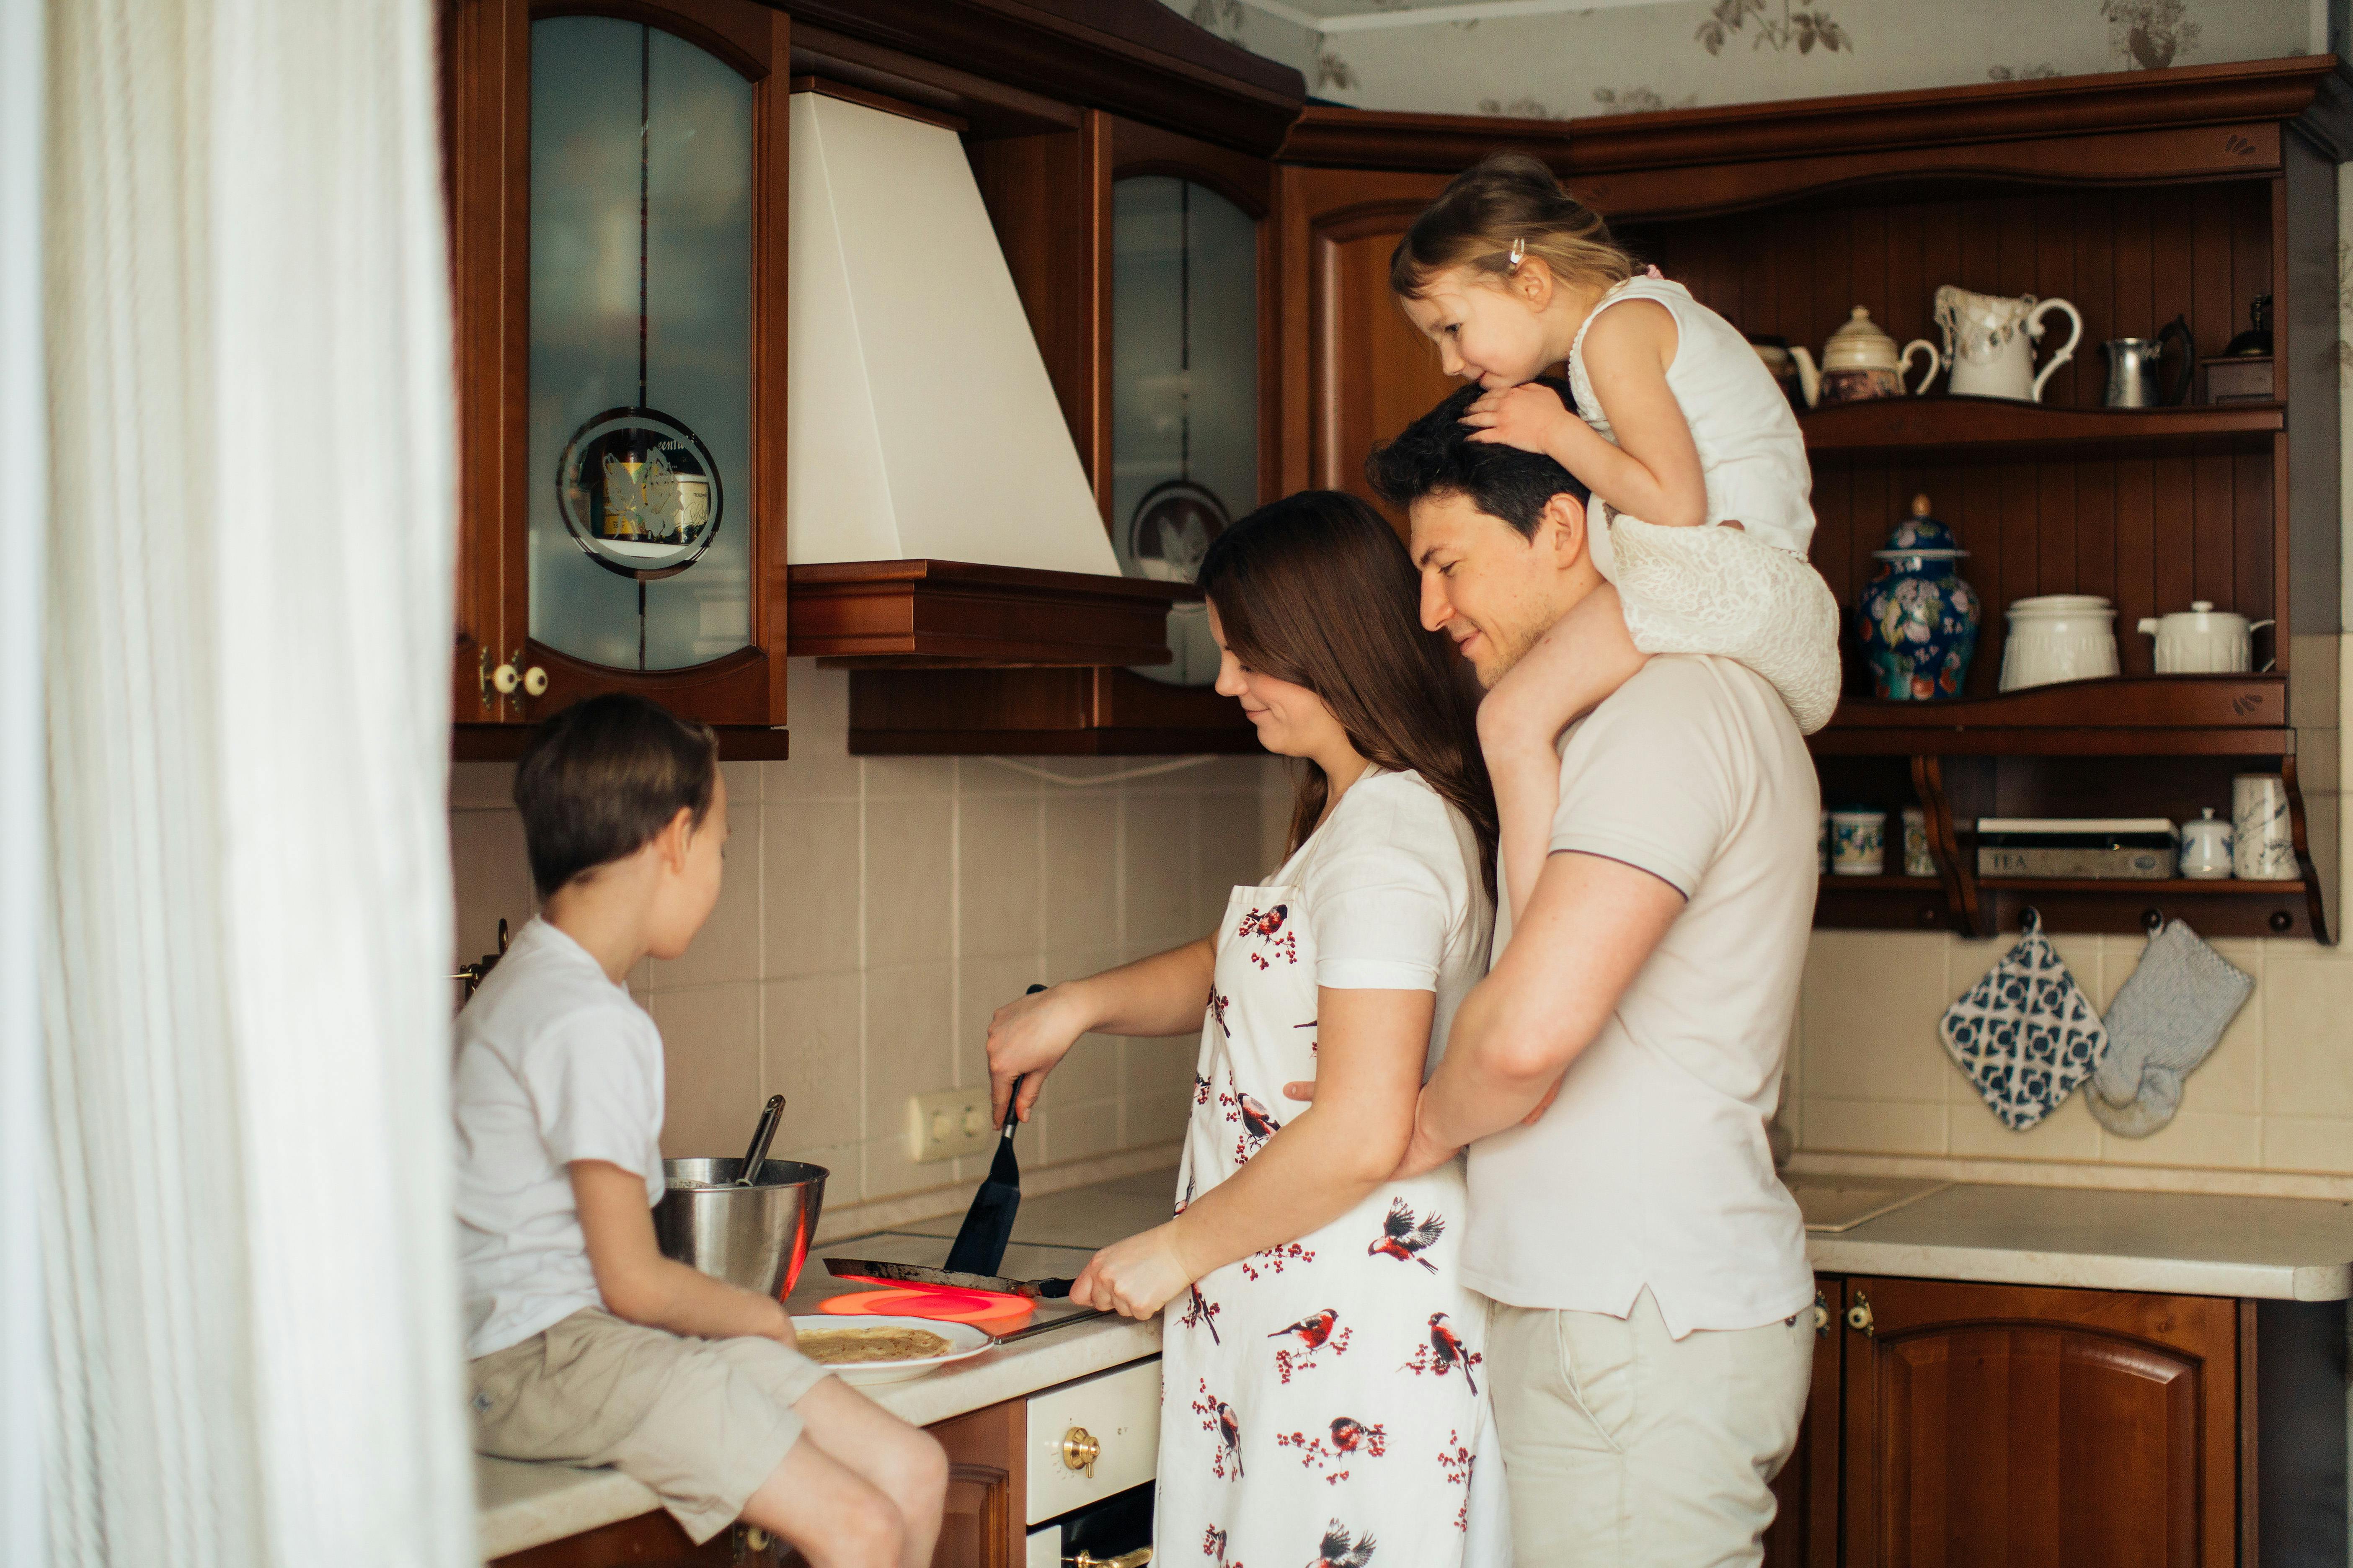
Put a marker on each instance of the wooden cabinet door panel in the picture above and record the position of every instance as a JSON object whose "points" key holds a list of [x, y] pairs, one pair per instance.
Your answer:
{"points": [[2009, 1424], [1355, 370], [986, 1479]]}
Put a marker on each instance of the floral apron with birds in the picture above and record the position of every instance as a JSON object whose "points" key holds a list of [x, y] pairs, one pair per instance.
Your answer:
{"points": [[1322, 1402]]}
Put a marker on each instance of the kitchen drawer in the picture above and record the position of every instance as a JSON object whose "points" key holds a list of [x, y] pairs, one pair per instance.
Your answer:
{"points": [[1121, 1411]]}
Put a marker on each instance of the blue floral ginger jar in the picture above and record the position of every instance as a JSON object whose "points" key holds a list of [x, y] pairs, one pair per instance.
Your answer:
{"points": [[1917, 620]]}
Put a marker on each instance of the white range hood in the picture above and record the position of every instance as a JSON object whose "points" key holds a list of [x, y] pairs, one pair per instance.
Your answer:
{"points": [[921, 424]]}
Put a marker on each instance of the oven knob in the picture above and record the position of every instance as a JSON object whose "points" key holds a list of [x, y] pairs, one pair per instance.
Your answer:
{"points": [[1080, 1450]]}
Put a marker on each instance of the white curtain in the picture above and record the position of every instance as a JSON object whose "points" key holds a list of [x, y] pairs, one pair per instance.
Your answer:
{"points": [[23, 1373], [251, 1296]]}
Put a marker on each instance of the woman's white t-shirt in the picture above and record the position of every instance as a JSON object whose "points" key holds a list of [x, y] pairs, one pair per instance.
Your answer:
{"points": [[1393, 893], [555, 1063]]}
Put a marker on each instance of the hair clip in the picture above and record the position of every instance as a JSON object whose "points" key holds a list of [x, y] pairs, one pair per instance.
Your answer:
{"points": [[1519, 253]]}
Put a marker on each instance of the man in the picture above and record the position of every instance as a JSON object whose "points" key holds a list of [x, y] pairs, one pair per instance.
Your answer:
{"points": [[1612, 1076]]}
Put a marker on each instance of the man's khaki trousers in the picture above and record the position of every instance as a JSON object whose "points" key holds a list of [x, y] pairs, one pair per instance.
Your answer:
{"points": [[1626, 1447]]}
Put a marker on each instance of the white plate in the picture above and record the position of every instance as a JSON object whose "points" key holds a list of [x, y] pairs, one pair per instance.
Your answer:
{"points": [[964, 1341]]}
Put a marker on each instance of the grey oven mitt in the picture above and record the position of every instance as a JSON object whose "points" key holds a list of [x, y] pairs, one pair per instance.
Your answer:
{"points": [[2164, 1021], [2025, 1033]]}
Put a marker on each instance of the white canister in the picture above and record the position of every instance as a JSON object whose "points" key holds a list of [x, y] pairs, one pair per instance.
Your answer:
{"points": [[2206, 848], [2202, 640], [1858, 842], [1917, 861], [2263, 847], [2058, 636]]}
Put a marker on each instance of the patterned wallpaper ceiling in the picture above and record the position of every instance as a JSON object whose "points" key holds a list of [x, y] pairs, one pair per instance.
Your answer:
{"points": [[1561, 59]]}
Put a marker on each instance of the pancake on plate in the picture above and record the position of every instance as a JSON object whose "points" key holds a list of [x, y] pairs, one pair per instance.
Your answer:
{"points": [[849, 1347]]}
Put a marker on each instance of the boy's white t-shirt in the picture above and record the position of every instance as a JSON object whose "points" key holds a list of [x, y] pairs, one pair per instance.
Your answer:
{"points": [[555, 1063]]}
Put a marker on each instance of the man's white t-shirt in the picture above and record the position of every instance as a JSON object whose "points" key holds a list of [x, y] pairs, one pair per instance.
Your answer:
{"points": [[1652, 1169], [555, 1063]]}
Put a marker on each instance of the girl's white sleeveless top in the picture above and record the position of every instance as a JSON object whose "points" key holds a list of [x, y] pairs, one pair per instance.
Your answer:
{"points": [[1749, 444]]}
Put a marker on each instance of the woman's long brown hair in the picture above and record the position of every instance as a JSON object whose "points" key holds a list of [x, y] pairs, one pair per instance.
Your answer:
{"points": [[1317, 589]]}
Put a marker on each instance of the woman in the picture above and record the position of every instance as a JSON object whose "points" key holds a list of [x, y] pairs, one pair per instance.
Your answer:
{"points": [[1321, 1399]]}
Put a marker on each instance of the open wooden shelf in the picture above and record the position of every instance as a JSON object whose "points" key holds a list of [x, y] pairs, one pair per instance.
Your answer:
{"points": [[1993, 425], [2155, 887], [2120, 716], [2125, 907], [952, 613], [1039, 712]]}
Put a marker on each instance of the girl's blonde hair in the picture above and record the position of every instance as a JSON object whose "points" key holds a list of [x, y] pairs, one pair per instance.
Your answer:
{"points": [[1498, 212]]}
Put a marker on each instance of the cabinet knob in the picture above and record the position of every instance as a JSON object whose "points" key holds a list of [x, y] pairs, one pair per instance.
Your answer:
{"points": [[1858, 1317], [1080, 1450], [535, 683], [1821, 1316], [505, 678]]}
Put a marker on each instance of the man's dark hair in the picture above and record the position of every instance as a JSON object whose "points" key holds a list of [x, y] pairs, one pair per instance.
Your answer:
{"points": [[1435, 456], [604, 776]]}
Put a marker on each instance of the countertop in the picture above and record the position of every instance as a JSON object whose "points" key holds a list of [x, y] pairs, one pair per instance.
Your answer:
{"points": [[2284, 1248], [519, 1506], [2290, 1249]]}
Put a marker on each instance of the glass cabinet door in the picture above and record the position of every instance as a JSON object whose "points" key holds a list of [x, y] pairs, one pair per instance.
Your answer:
{"points": [[640, 349], [1184, 390]]}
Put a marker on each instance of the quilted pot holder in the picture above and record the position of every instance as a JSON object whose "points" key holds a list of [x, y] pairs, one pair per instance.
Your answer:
{"points": [[2025, 1033]]}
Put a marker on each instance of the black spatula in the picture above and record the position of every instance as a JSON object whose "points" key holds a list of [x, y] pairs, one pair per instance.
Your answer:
{"points": [[988, 1225]]}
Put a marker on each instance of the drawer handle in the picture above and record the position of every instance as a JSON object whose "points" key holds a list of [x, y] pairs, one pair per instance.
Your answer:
{"points": [[1135, 1559], [1079, 1451]]}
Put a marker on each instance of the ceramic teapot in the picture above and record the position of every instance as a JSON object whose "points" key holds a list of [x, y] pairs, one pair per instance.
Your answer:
{"points": [[1792, 369], [1989, 338], [1860, 361], [2202, 640]]}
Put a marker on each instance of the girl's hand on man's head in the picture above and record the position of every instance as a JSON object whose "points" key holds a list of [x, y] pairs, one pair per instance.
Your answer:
{"points": [[1528, 417]]}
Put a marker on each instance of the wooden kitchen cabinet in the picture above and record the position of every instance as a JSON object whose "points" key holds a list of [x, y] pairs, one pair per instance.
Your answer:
{"points": [[986, 1482], [1997, 1424], [619, 359], [1985, 1426], [1192, 438]]}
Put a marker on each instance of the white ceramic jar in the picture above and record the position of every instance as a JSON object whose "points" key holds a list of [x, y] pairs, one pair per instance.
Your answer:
{"points": [[2202, 640], [2206, 848], [2058, 636], [2262, 838]]}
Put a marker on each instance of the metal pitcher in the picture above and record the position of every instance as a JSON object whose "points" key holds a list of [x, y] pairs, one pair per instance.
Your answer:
{"points": [[2132, 368]]}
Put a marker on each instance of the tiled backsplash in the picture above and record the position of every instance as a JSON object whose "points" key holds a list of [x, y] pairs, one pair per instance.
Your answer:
{"points": [[876, 911], [1870, 1075], [2270, 1108]]}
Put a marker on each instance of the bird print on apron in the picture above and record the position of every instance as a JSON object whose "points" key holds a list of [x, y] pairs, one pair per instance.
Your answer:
{"points": [[1322, 1402]]}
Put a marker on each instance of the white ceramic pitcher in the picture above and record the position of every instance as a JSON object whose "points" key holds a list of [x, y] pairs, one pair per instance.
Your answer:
{"points": [[1989, 341]]}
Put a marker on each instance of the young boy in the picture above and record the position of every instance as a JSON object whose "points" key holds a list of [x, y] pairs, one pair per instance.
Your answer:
{"points": [[589, 1347]]}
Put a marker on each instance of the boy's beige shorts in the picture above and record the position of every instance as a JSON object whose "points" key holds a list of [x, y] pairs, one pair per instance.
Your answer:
{"points": [[702, 1422]]}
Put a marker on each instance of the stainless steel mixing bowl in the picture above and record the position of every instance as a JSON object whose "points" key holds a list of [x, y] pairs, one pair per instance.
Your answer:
{"points": [[756, 1236]]}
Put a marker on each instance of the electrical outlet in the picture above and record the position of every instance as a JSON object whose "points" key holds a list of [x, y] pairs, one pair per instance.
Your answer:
{"points": [[950, 1122]]}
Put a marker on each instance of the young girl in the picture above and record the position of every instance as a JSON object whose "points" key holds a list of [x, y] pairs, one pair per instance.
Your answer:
{"points": [[1694, 460]]}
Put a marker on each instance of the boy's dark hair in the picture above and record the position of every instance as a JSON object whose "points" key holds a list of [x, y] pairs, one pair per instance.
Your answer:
{"points": [[604, 775], [1435, 456]]}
